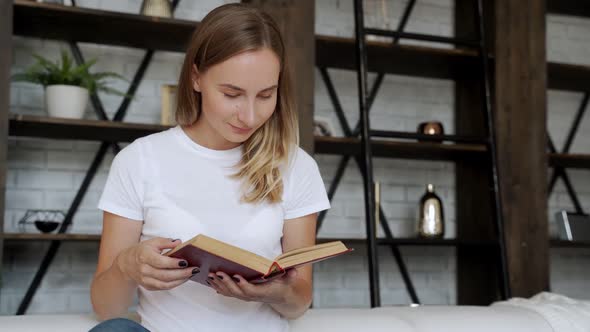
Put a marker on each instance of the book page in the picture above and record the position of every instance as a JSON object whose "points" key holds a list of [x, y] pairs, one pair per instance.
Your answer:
{"points": [[308, 249], [312, 254]]}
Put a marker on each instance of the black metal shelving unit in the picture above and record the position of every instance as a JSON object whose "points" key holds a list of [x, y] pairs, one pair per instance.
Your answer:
{"points": [[38, 20], [486, 145]]}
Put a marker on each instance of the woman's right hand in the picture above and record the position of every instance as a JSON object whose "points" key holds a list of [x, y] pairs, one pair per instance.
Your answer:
{"points": [[145, 264]]}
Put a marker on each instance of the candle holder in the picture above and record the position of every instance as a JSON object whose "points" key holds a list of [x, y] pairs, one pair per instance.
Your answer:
{"points": [[431, 128]]}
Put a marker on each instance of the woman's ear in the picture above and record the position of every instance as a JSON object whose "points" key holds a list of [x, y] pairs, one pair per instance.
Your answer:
{"points": [[196, 79]]}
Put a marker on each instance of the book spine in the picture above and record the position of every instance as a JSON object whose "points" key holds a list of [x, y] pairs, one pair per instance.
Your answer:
{"points": [[274, 271]]}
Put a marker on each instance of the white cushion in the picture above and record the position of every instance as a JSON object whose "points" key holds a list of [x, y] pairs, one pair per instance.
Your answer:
{"points": [[398, 319]]}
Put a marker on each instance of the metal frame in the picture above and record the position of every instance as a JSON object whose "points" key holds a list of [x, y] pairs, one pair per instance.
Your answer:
{"points": [[96, 162], [497, 209], [365, 163], [367, 153], [561, 172], [6, 50], [375, 300]]}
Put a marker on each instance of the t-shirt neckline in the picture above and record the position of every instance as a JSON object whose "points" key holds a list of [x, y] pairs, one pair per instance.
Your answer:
{"points": [[230, 154]]}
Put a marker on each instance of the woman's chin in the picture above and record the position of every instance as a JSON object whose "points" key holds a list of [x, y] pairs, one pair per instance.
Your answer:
{"points": [[237, 138]]}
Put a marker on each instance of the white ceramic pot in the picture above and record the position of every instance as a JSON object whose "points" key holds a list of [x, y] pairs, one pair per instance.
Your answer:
{"points": [[66, 101]]}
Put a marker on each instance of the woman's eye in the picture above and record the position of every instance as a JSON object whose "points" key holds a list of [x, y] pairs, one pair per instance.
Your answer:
{"points": [[230, 95], [265, 96]]}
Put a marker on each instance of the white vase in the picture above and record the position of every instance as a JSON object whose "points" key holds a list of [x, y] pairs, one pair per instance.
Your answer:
{"points": [[66, 101], [159, 8]]}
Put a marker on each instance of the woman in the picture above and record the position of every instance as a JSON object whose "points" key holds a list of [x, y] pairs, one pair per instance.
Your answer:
{"points": [[232, 170]]}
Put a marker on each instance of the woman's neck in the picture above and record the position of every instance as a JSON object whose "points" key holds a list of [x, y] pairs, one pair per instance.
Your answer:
{"points": [[206, 136]]}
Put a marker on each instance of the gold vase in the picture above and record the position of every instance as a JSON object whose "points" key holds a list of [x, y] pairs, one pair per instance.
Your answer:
{"points": [[431, 223]]}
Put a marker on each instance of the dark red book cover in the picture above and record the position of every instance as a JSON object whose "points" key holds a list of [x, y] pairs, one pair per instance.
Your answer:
{"points": [[210, 263]]}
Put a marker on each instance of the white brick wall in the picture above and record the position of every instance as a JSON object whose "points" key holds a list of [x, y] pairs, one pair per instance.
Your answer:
{"points": [[47, 173], [568, 41]]}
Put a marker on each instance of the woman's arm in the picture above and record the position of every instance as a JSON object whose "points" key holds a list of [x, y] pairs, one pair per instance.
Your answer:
{"points": [[111, 291], [124, 263], [289, 295], [298, 233]]}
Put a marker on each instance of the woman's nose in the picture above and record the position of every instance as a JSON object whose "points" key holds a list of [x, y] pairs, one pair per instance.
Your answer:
{"points": [[246, 115]]}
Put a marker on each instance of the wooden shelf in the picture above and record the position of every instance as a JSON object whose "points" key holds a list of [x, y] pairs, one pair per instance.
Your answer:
{"points": [[58, 128], [413, 242], [569, 7], [569, 244], [430, 62], [569, 77], [402, 150], [348, 242], [49, 237], [93, 130], [121, 29], [381, 241], [446, 242], [569, 160], [52, 21], [106, 131]]}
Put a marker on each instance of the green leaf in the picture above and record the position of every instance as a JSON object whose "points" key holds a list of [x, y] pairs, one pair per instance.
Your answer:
{"points": [[103, 75], [66, 64], [82, 69], [46, 72]]}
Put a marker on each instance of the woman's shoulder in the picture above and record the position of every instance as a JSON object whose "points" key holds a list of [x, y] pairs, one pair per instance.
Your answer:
{"points": [[300, 161], [139, 148]]}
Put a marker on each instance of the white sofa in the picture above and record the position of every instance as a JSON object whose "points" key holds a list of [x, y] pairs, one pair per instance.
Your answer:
{"points": [[398, 319], [545, 312]]}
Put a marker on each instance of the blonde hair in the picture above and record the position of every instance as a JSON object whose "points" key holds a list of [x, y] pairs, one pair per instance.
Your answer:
{"points": [[226, 31]]}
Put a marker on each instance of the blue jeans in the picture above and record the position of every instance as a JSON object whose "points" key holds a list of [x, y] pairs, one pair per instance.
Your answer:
{"points": [[119, 325]]}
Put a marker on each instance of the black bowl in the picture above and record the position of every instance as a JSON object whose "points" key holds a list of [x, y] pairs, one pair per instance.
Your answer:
{"points": [[46, 226]]}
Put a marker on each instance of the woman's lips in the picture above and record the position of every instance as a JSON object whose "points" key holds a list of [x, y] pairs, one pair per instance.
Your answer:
{"points": [[240, 130]]}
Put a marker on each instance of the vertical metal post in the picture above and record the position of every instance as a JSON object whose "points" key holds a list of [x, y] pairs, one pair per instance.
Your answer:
{"points": [[497, 201], [6, 8], [366, 153]]}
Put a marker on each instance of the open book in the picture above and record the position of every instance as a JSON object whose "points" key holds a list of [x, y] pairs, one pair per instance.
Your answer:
{"points": [[212, 255]]}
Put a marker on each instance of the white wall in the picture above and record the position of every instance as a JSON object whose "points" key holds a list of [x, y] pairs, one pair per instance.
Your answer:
{"points": [[47, 173]]}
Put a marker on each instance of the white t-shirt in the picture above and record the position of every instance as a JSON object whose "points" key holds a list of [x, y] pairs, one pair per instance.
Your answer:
{"points": [[179, 188]]}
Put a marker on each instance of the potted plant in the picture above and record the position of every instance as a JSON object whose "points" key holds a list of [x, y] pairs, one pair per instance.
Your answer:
{"points": [[67, 86]]}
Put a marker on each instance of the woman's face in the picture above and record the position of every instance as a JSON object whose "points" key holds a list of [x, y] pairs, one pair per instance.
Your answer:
{"points": [[238, 96]]}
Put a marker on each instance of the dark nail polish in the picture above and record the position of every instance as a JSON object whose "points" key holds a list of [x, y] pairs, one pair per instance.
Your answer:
{"points": [[210, 278], [182, 264], [235, 279], [208, 283], [196, 270], [220, 277], [175, 240]]}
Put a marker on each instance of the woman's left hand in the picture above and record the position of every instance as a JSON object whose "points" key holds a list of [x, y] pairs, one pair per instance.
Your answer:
{"points": [[274, 291]]}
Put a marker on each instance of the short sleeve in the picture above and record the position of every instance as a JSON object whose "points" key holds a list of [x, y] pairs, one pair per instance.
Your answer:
{"points": [[123, 191], [305, 192]]}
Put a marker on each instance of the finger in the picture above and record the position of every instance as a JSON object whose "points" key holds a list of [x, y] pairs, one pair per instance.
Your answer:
{"points": [[163, 262], [154, 284], [230, 285], [172, 274], [216, 282], [292, 274], [161, 243], [249, 290]]}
